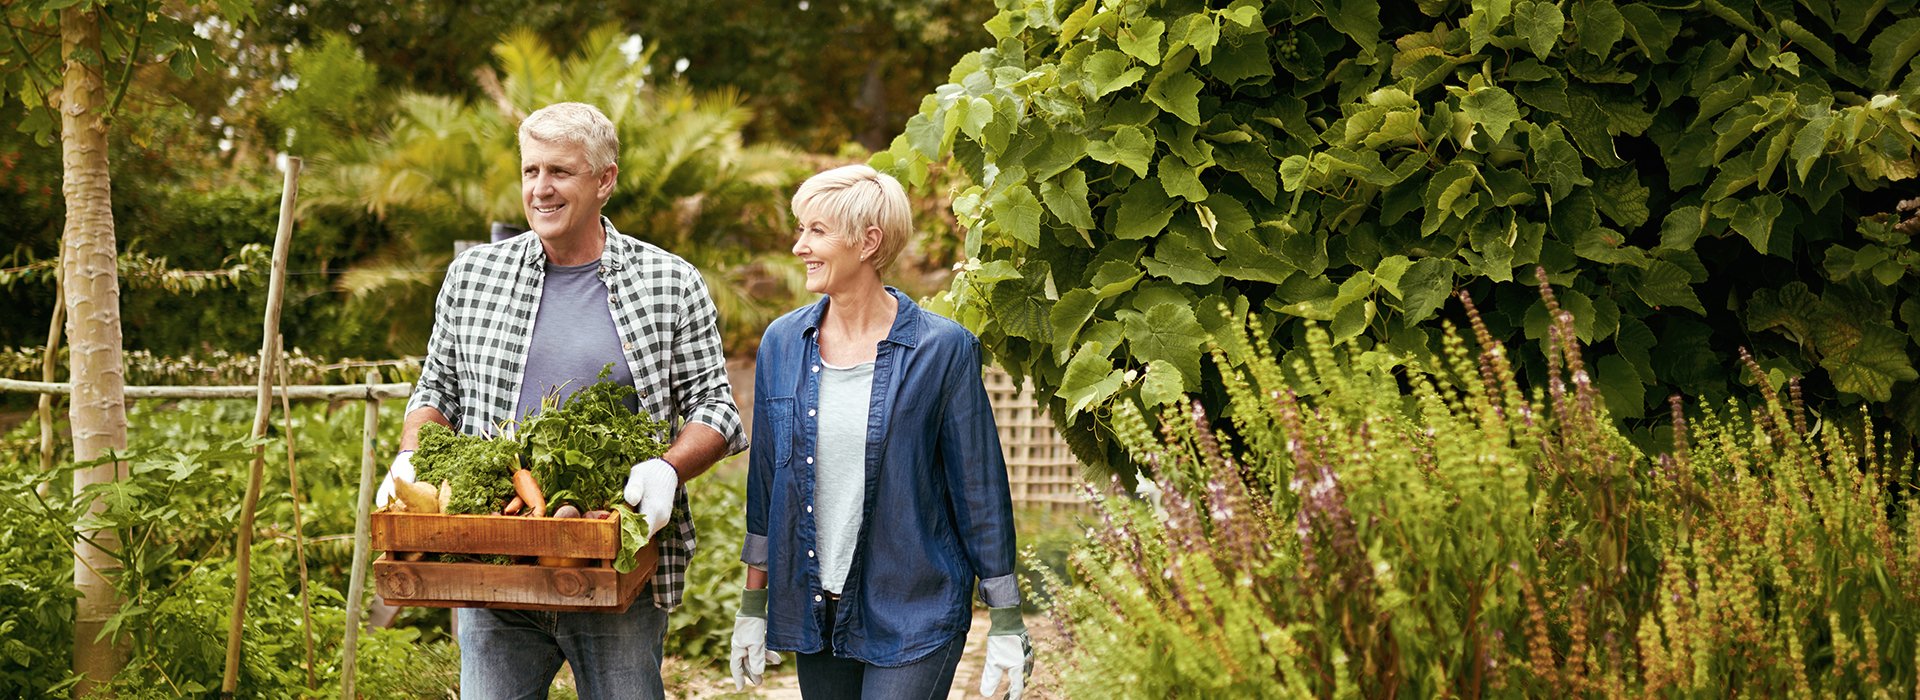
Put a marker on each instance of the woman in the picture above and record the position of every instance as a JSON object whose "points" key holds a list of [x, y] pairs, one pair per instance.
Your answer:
{"points": [[877, 495]]}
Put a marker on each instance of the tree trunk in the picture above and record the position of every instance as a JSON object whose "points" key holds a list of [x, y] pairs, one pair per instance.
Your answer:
{"points": [[98, 407]]}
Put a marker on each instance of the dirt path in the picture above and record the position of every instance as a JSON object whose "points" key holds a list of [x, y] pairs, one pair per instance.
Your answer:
{"points": [[782, 684]]}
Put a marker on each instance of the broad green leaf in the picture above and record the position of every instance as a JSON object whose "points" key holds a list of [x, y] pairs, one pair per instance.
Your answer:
{"points": [[1177, 91], [1540, 23], [1161, 384], [1359, 19], [1485, 21], [1755, 218], [1809, 42], [1070, 314], [1387, 274], [1622, 197], [923, 133], [1230, 215], [1810, 144], [1141, 40], [979, 113], [1425, 288], [1651, 29], [1143, 212], [1892, 49], [1114, 278], [1492, 108], [1449, 184], [1680, 228], [1168, 332], [1129, 146], [1181, 259], [1181, 180], [1021, 305], [1600, 25], [1591, 130], [1017, 213], [1663, 283], [1242, 12], [1865, 359], [1241, 57], [1090, 378], [1558, 161], [1066, 197], [1111, 70], [1620, 387]]}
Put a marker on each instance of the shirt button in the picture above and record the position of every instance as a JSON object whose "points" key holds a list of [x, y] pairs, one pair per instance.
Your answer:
{"points": [[809, 554], [809, 460], [809, 509], [816, 368], [809, 413], [816, 599]]}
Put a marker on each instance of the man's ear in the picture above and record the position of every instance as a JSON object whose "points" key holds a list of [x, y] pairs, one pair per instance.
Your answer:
{"points": [[608, 176]]}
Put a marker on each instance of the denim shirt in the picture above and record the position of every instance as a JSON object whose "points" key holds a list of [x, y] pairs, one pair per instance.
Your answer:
{"points": [[936, 517]]}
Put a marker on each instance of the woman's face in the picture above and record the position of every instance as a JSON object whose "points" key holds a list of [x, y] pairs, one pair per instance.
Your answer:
{"points": [[832, 261]]}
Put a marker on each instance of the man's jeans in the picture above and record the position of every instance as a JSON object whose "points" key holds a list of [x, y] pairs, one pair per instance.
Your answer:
{"points": [[514, 654], [824, 676]]}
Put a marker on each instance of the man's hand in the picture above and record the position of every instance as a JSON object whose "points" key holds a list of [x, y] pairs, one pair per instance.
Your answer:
{"points": [[1009, 653], [402, 469], [749, 657], [650, 489]]}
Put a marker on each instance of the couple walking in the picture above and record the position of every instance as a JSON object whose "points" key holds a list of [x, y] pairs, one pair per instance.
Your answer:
{"points": [[877, 498]]}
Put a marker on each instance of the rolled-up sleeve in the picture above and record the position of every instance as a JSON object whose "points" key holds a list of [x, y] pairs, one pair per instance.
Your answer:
{"points": [[439, 385], [977, 479], [701, 391]]}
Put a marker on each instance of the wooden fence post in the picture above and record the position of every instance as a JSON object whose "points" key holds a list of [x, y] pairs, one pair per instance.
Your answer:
{"points": [[356, 586]]}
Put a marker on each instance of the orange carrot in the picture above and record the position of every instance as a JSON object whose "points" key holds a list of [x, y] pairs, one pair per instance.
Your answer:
{"points": [[513, 506], [529, 491]]}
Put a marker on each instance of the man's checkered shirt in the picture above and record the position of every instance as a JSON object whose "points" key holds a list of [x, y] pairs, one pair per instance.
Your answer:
{"points": [[669, 330]]}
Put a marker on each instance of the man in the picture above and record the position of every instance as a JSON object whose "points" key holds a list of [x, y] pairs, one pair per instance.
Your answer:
{"points": [[535, 314]]}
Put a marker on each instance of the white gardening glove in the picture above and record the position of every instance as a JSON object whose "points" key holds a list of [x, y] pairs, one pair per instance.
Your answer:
{"points": [[402, 469], [1009, 653], [650, 489], [749, 657]]}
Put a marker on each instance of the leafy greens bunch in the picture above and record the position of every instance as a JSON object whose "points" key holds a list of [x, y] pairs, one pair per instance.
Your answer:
{"points": [[580, 449], [478, 469]]}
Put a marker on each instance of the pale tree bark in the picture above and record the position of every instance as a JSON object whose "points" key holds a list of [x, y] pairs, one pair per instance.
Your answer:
{"points": [[97, 410]]}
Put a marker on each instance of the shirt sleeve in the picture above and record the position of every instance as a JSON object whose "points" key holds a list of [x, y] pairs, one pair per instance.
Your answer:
{"points": [[439, 385], [760, 465], [976, 475], [701, 392]]}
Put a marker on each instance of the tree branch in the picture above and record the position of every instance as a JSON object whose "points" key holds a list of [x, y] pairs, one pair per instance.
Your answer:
{"points": [[133, 58], [40, 79]]}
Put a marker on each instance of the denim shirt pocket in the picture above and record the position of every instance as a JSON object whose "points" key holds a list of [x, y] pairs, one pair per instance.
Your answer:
{"points": [[780, 421]]}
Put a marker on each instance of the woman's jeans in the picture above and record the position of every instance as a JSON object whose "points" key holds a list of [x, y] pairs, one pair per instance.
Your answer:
{"points": [[824, 676], [514, 654]]}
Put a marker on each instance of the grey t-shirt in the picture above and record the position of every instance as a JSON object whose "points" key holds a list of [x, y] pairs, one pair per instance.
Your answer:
{"points": [[573, 338], [846, 397]]}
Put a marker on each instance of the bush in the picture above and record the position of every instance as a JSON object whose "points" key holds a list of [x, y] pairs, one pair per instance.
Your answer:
{"points": [[1434, 531], [1693, 178]]}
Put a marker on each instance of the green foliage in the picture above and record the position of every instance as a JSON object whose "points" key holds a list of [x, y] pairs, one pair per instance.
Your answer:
{"points": [[580, 450], [478, 469], [1353, 528], [701, 628], [1687, 175]]}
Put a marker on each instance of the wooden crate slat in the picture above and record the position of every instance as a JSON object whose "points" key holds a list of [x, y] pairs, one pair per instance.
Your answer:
{"points": [[495, 534], [513, 586]]}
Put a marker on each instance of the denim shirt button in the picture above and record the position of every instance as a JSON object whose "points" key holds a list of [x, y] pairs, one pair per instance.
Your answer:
{"points": [[809, 413], [809, 509], [809, 460], [816, 599], [809, 554], [816, 368]]}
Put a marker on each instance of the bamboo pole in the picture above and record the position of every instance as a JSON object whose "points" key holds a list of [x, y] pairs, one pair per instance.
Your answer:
{"points": [[276, 291], [293, 491], [356, 586], [340, 392], [48, 362]]}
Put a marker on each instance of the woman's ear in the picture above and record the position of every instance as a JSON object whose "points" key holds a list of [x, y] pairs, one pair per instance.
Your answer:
{"points": [[870, 243]]}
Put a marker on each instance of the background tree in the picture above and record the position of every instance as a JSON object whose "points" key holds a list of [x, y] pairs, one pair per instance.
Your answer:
{"points": [[1692, 179], [94, 39]]}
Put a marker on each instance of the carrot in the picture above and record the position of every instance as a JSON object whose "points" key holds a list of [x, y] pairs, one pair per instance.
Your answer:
{"points": [[529, 490], [513, 506]]}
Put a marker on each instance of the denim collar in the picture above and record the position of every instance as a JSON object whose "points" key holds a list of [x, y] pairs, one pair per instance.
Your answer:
{"points": [[906, 320]]}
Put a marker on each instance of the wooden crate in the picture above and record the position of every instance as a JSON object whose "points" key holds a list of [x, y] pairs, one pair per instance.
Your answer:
{"points": [[593, 588], [1041, 470]]}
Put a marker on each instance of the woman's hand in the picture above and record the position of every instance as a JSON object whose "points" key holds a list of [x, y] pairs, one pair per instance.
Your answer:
{"points": [[748, 657], [1009, 653]]}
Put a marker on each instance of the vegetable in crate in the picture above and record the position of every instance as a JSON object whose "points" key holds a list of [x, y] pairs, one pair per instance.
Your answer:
{"points": [[580, 450], [477, 469]]}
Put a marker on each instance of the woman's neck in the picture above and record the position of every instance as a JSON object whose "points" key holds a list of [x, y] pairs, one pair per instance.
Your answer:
{"points": [[855, 323]]}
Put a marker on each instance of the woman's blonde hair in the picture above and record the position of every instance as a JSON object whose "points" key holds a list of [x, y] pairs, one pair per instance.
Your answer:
{"points": [[852, 197], [576, 123]]}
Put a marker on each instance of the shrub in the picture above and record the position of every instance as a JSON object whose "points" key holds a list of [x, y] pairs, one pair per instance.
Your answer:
{"points": [[1692, 177], [1434, 531]]}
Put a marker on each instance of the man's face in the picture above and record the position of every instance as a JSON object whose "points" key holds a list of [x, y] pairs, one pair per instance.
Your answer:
{"points": [[561, 194]]}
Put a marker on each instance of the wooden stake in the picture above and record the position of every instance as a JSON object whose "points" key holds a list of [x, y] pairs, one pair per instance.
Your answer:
{"points": [[299, 532], [48, 361], [357, 585], [276, 291]]}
